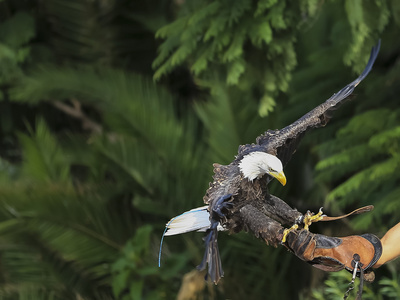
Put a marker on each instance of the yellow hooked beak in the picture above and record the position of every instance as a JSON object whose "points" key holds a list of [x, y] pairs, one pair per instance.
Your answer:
{"points": [[280, 176]]}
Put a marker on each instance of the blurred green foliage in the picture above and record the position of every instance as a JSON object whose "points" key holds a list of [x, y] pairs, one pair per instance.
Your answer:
{"points": [[95, 156], [339, 282]]}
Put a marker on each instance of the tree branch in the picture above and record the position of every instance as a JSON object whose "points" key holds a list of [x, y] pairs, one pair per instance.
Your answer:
{"points": [[76, 112]]}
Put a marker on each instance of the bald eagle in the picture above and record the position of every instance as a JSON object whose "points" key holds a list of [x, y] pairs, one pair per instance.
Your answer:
{"points": [[238, 197]]}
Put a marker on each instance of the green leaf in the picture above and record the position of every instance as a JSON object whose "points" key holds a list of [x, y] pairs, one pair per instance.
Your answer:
{"points": [[120, 282]]}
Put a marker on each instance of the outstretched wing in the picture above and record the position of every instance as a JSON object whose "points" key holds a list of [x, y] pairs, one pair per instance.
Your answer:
{"points": [[283, 143]]}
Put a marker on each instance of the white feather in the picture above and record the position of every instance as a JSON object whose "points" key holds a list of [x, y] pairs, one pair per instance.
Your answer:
{"points": [[194, 219], [256, 164], [197, 219]]}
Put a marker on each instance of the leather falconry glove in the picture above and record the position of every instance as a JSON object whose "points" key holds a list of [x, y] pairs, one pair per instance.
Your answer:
{"points": [[334, 254]]}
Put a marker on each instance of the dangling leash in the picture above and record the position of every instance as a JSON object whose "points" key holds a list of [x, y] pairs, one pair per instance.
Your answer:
{"points": [[357, 266], [354, 212]]}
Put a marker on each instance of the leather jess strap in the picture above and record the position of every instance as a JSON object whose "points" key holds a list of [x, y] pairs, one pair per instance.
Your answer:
{"points": [[354, 212]]}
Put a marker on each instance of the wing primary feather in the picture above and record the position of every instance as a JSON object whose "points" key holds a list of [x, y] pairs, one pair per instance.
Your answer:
{"points": [[373, 56], [348, 89], [289, 137]]}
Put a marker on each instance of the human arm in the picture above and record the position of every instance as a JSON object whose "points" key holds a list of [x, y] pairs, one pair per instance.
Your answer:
{"points": [[391, 245]]}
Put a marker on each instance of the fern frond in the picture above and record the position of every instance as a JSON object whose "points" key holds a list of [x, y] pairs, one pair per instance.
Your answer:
{"points": [[345, 162], [236, 69], [263, 5], [225, 29], [43, 158], [366, 180], [366, 22], [386, 141], [203, 13], [366, 124]]}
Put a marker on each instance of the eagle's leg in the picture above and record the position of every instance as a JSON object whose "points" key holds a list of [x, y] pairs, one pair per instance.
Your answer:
{"points": [[307, 219], [211, 254], [287, 231], [312, 218]]}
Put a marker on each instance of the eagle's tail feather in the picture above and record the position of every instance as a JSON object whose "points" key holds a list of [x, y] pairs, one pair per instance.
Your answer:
{"points": [[211, 255], [192, 220]]}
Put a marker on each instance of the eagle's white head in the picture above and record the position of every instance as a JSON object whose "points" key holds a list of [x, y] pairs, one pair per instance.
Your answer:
{"points": [[256, 164]]}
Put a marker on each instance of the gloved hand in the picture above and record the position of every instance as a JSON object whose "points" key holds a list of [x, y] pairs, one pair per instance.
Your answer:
{"points": [[334, 254]]}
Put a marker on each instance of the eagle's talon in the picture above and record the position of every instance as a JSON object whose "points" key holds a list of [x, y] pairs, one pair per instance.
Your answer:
{"points": [[220, 204], [286, 232], [310, 218]]}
